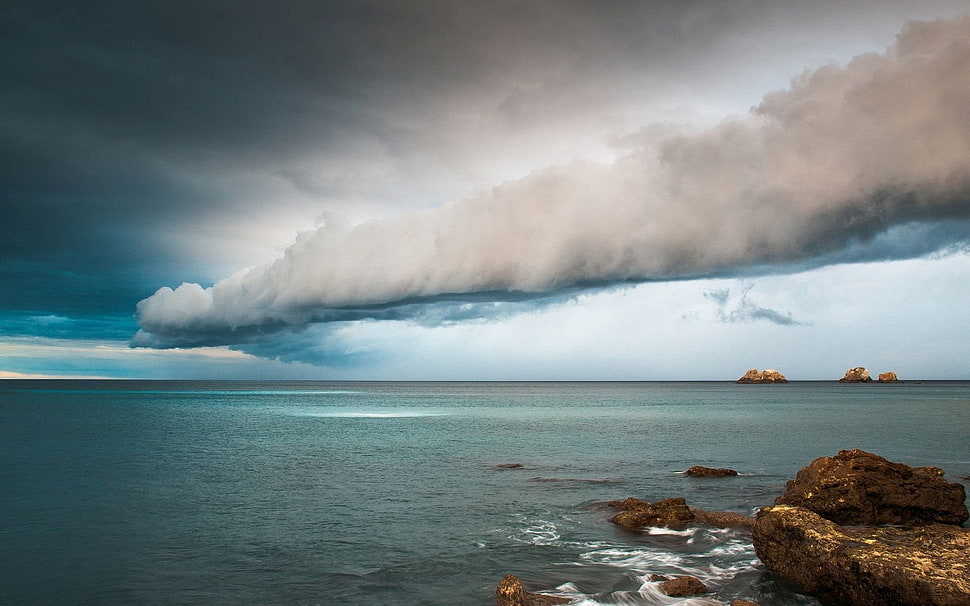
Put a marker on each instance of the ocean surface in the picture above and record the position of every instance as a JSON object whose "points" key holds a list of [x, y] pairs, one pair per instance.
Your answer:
{"points": [[155, 492]]}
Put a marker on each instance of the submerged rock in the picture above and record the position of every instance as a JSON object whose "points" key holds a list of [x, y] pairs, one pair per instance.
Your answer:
{"points": [[635, 514], [769, 375], [510, 592], [924, 566], [856, 375], [683, 586], [699, 471], [857, 487], [888, 377], [721, 519]]}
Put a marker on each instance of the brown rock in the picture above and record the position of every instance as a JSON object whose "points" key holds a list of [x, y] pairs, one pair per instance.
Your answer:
{"points": [[699, 471], [683, 586], [743, 603], [721, 519], [768, 375], [924, 566], [510, 592], [636, 514], [857, 487], [856, 375], [887, 377]]}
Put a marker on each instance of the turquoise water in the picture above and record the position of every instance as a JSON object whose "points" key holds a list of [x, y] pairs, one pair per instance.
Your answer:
{"points": [[123, 492]]}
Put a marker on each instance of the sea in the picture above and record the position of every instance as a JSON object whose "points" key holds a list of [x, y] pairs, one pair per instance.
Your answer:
{"points": [[401, 493]]}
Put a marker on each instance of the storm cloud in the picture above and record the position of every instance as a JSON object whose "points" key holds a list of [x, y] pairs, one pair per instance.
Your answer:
{"points": [[825, 167]]}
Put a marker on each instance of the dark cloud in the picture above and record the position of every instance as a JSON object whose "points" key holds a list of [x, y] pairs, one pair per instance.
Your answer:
{"points": [[136, 138]]}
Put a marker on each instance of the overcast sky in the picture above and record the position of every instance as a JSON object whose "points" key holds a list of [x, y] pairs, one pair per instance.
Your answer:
{"points": [[484, 190]]}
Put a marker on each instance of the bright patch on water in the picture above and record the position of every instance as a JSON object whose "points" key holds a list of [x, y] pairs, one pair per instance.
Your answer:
{"points": [[357, 414]]}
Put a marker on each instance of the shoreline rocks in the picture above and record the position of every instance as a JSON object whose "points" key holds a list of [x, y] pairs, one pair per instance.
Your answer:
{"points": [[865, 566], [865, 531], [855, 528], [510, 592], [683, 586], [636, 514], [768, 375], [858, 487]]}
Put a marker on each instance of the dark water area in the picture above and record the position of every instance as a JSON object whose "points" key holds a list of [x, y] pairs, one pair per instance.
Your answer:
{"points": [[157, 492]]}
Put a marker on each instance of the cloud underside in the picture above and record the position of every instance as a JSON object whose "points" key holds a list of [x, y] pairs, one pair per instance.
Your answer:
{"points": [[860, 162]]}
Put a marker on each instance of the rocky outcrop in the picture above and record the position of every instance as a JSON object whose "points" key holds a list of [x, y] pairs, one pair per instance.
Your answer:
{"points": [[768, 375], [856, 375], [923, 566], [743, 603], [699, 471], [683, 586], [635, 514], [857, 487], [888, 377], [510, 592]]}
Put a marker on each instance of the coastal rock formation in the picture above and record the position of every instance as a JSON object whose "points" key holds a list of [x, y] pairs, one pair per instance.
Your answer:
{"points": [[857, 487], [672, 513], [683, 586], [721, 519], [768, 375], [510, 592], [699, 471], [856, 375], [887, 377], [924, 566], [743, 603], [635, 514]]}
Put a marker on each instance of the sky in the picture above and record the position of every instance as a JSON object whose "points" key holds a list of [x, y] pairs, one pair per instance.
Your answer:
{"points": [[502, 190]]}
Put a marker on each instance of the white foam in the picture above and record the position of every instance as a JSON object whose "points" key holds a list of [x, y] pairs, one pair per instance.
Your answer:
{"points": [[681, 533], [541, 533], [648, 595]]}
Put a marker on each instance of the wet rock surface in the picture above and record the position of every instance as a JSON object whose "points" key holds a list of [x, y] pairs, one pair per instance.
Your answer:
{"points": [[683, 586], [884, 566], [636, 514], [510, 592], [699, 471], [668, 513], [860, 488]]}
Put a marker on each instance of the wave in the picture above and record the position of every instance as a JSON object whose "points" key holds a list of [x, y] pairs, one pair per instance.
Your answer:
{"points": [[722, 559]]}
